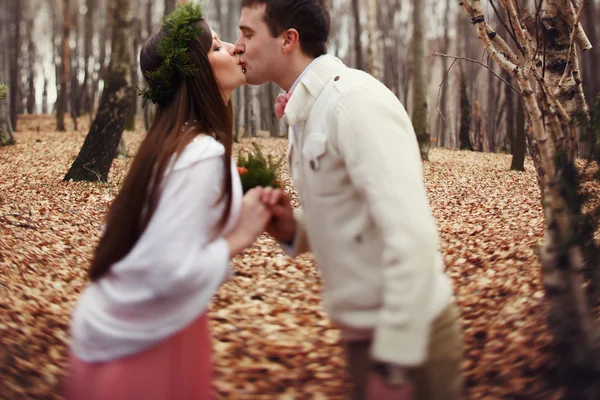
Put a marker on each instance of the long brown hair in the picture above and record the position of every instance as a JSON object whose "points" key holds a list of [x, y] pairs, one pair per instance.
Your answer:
{"points": [[197, 106]]}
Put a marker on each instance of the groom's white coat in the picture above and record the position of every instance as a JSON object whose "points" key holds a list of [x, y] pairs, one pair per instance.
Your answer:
{"points": [[365, 216]]}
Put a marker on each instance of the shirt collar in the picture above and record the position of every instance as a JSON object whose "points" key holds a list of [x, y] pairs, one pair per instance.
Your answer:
{"points": [[303, 73]]}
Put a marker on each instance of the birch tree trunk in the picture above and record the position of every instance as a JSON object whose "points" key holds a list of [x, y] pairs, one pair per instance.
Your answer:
{"points": [[419, 85], [61, 104], [551, 88], [98, 151]]}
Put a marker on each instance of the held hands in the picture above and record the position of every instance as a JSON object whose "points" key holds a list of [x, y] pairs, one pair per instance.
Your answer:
{"points": [[254, 217], [282, 225]]}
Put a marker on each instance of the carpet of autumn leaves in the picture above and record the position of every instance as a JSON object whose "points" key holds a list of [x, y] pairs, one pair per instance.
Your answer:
{"points": [[272, 339]]}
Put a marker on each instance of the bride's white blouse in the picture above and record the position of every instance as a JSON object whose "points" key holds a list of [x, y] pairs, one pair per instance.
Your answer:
{"points": [[170, 275]]}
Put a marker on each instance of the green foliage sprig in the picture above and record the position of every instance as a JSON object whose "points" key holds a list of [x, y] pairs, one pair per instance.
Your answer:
{"points": [[3, 90], [173, 48], [257, 170]]}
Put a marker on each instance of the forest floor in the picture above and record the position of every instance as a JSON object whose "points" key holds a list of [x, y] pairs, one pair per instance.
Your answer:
{"points": [[272, 338]]}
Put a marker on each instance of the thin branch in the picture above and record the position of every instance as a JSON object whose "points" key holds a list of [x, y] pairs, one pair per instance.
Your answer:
{"points": [[480, 63], [440, 89], [510, 32]]}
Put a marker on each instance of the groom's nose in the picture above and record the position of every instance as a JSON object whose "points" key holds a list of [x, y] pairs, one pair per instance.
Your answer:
{"points": [[239, 48]]}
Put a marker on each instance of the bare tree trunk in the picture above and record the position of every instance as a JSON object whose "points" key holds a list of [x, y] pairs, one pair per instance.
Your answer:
{"points": [[15, 64], [591, 57], [170, 6], [477, 127], [492, 108], [250, 120], [45, 95], [5, 124], [55, 47], [61, 104], [510, 124], [419, 85], [103, 42], [359, 64], [443, 119], [520, 147], [30, 66], [74, 72], [373, 60], [85, 99], [137, 38], [465, 115], [149, 31], [98, 151]]}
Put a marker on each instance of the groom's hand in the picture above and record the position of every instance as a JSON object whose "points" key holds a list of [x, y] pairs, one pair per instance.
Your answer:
{"points": [[282, 225]]}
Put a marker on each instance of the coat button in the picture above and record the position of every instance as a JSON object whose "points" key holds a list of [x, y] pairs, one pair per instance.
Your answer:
{"points": [[312, 164], [337, 78], [358, 238]]}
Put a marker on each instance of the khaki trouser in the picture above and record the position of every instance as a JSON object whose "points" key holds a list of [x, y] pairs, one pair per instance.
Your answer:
{"points": [[438, 379]]}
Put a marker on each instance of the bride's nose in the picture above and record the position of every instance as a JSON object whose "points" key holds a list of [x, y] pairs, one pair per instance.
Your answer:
{"points": [[230, 48]]}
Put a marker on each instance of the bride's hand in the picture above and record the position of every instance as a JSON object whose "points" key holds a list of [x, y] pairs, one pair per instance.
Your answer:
{"points": [[254, 217]]}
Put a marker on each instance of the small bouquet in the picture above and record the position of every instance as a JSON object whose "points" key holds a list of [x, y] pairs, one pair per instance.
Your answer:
{"points": [[257, 170]]}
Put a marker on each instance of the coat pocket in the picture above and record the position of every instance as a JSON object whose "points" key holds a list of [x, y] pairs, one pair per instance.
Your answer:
{"points": [[323, 167], [314, 150]]}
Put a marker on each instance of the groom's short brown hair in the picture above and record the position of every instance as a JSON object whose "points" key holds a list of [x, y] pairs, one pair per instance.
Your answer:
{"points": [[309, 17]]}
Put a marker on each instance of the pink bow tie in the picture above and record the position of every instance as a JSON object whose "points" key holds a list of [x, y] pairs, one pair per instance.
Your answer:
{"points": [[280, 104]]}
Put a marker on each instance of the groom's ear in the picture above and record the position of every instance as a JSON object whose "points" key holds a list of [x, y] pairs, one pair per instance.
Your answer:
{"points": [[291, 39]]}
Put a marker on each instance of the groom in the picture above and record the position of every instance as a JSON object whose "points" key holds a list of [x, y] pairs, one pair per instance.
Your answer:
{"points": [[365, 216]]}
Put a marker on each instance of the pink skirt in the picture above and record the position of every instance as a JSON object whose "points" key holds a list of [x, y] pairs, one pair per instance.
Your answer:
{"points": [[179, 367]]}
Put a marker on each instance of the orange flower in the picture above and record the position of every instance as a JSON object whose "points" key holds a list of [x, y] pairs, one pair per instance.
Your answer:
{"points": [[242, 170]]}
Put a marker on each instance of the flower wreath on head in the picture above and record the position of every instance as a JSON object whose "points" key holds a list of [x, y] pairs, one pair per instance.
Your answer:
{"points": [[180, 27]]}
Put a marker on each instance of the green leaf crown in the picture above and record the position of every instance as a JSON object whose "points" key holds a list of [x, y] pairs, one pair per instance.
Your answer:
{"points": [[173, 48]]}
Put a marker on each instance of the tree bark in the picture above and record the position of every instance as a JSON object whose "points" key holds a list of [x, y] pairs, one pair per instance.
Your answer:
{"points": [[61, 104], [45, 96], [137, 38], [465, 115], [85, 98], [519, 146], [170, 6], [15, 64], [103, 43], [250, 120], [358, 52], [5, 123], [591, 57], [74, 72], [30, 67], [98, 151], [419, 85], [443, 125], [373, 59]]}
